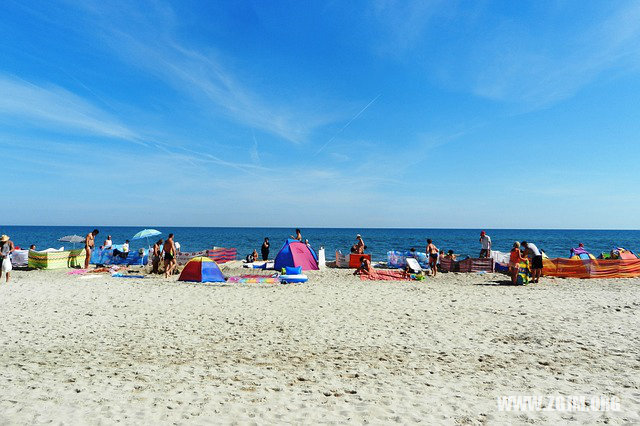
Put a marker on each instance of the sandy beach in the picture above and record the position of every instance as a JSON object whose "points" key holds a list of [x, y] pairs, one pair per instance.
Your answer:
{"points": [[99, 350]]}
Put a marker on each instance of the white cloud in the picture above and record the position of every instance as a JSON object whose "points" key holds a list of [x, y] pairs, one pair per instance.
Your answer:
{"points": [[541, 70], [148, 41], [404, 22], [58, 109]]}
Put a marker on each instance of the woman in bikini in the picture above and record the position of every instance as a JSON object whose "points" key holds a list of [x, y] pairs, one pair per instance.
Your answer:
{"points": [[89, 244]]}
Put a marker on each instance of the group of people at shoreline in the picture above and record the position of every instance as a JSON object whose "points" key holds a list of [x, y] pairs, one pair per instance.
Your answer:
{"points": [[526, 252], [166, 251], [161, 250]]}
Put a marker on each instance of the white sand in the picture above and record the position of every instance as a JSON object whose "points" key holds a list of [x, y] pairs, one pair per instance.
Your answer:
{"points": [[335, 349]]}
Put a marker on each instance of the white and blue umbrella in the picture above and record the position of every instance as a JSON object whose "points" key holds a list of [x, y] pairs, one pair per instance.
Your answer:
{"points": [[146, 233], [73, 239]]}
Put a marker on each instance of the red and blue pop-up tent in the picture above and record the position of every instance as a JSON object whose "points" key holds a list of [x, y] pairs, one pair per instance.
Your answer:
{"points": [[294, 253], [202, 270]]}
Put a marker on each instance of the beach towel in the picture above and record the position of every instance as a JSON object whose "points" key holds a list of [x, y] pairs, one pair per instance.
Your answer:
{"points": [[254, 279], [378, 275]]}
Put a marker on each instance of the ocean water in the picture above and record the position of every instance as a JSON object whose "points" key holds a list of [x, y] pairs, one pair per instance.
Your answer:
{"points": [[556, 243]]}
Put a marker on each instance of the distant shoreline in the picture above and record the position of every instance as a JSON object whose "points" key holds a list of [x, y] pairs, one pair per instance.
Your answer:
{"points": [[323, 227]]}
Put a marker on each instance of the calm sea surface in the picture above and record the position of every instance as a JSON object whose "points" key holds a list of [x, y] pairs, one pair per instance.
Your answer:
{"points": [[462, 241]]}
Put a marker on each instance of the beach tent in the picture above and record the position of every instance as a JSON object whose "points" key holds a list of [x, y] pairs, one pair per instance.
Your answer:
{"points": [[202, 270], [294, 253], [100, 256], [580, 253], [620, 253]]}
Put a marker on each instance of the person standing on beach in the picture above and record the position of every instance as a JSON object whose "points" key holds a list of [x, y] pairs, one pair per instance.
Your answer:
{"points": [[6, 249], [485, 242], [359, 244], [155, 259], [89, 244], [265, 249], [169, 250], [432, 252], [515, 257], [298, 235], [532, 251]]}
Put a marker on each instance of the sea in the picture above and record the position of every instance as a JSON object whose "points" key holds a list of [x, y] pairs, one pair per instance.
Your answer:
{"points": [[464, 242]]}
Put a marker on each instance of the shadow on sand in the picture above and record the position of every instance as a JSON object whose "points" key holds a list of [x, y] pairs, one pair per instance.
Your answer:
{"points": [[500, 283]]}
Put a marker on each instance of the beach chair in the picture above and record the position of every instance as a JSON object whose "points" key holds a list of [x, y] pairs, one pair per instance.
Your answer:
{"points": [[414, 266]]}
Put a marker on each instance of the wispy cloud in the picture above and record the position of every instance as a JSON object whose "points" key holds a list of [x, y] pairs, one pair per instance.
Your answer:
{"points": [[50, 106], [55, 109], [404, 22], [254, 153], [148, 41], [541, 71]]}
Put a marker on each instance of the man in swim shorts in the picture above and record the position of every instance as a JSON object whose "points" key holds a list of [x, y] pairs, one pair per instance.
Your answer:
{"points": [[532, 251], [432, 252], [169, 250]]}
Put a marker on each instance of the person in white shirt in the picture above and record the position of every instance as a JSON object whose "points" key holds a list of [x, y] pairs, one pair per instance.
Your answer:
{"points": [[107, 243], [532, 251], [485, 242]]}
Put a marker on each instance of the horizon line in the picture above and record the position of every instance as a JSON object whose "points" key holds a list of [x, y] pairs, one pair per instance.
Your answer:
{"points": [[331, 227]]}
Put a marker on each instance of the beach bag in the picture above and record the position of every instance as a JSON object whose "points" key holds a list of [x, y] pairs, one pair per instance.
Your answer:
{"points": [[290, 270], [523, 274]]}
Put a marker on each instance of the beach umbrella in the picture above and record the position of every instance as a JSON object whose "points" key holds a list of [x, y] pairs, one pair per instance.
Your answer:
{"points": [[73, 239], [146, 233]]}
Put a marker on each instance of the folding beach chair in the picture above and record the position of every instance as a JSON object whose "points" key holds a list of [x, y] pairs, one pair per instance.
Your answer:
{"points": [[414, 266]]}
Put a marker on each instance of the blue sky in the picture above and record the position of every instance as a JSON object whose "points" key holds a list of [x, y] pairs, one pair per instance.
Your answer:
{"points": [[330, 113]]}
